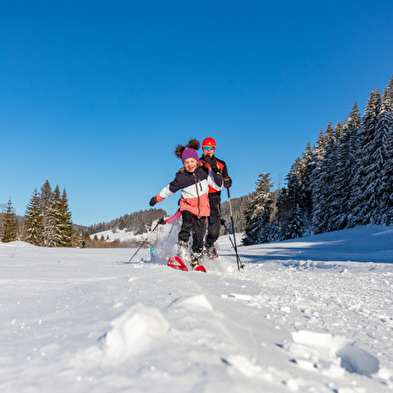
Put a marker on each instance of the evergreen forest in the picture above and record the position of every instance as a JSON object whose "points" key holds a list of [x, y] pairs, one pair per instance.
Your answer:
{"points": [[344, 180]]}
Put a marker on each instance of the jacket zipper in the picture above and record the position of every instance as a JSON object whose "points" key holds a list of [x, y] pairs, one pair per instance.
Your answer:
{"points": [[196, 186]]}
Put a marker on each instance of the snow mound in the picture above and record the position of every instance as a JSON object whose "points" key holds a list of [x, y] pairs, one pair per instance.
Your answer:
{"points": [[331, 355], [195, 302], [135, 332]]}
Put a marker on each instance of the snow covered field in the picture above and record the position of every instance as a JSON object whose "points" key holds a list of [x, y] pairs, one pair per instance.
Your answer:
{"points": [[311, 315]]}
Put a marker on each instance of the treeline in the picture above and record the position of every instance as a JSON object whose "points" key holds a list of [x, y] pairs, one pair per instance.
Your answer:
{"points": [[343, 181], [141, 222], [138, 222], [47, 221], [239, 206]]}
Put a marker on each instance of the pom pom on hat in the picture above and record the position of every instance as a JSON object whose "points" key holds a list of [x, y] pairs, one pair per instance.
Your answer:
{"points": [[189, 151], [194, 144], [179, 150]]}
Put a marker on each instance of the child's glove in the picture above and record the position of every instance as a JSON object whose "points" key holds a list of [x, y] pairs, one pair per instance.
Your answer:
{"points": [[153, 201]]}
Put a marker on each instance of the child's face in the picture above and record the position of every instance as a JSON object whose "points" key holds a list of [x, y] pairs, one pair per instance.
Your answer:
{"points": [[190, 164]]}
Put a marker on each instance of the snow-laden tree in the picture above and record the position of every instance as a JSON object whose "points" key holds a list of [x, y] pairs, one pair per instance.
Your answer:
{"points": [[331, 173], [258, 212], [33, 220], [343, 181], [385, 127], [390, 89], [296, 224], [296, 199], [321, 180], [366, 196], [347, 145]]}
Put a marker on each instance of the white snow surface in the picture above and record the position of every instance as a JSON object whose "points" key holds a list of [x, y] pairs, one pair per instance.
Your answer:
{"points": [[310, 315]]}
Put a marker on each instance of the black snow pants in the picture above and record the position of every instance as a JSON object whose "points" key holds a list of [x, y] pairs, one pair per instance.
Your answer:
{"points": [[191, 223], [214, 221]]}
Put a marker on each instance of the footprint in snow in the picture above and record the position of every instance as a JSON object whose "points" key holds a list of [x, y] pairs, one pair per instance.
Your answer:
{"points": [[330, 355]]}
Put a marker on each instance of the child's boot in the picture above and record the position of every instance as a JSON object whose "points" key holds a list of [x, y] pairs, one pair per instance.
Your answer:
{"points": [[182, 250], [195, 258], [211, 251]]}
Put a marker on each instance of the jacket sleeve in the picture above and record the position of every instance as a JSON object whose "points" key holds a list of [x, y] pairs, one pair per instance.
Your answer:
{"points": [[224, 169], [169, 190], [214, 180]]}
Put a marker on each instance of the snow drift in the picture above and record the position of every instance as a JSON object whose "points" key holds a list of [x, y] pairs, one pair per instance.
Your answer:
{"points": [[310, 315]]}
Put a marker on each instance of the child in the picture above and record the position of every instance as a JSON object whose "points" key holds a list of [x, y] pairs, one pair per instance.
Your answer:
{"points": [[193, 180]]}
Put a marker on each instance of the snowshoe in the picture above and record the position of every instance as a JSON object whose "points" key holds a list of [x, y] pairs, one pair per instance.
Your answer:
{"points": [[200, 268], [176, 263], [195, 258]]}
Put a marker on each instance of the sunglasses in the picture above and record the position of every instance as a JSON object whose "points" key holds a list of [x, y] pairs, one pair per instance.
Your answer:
{"points": [[208, 147]]}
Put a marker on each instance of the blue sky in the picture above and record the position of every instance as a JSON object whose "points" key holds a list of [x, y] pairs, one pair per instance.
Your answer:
{"points": [[95, 95]]}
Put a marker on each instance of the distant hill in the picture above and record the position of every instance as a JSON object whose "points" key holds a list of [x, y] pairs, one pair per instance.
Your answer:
{"points": [[238, 207], [138, 222]]}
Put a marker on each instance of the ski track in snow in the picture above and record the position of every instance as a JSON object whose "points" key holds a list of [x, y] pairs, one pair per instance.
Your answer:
{"points": [[89, 321]]}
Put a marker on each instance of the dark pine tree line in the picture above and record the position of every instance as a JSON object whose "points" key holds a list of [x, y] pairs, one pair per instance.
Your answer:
{"points": [[343, 181]]}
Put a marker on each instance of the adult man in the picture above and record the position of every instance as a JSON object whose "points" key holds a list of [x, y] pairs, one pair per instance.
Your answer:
{"points": [[209, 147]]}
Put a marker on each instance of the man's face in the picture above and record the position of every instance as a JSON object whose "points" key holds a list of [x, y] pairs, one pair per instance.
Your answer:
{"points": [[208, 150]]}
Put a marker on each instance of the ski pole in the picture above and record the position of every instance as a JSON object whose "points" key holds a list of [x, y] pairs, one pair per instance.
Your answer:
{"points": [[160, 221], [227, 232], [173, 219], [239, 264], [233, 245]]}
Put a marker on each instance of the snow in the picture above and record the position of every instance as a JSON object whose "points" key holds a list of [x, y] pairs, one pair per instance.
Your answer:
{"points": [[122, 235], [309, 315]]}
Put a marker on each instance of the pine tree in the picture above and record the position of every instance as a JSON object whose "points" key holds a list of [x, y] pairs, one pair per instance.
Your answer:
{"points": [[347, 150], [78, 238], [258, 212], [322, 180], [305, 202], [52, 228], [370, 164], [65, 223], [46, 197], [295, 226], [9, 230], [390, 89], [33, 220], [385, 127]]}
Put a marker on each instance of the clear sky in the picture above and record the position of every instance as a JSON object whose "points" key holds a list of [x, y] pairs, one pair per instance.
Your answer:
{"points": [[95, 95]]}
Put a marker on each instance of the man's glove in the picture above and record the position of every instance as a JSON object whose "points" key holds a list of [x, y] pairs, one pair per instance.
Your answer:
{"points": [[153, 201], [227, 182], [213, 164]]}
